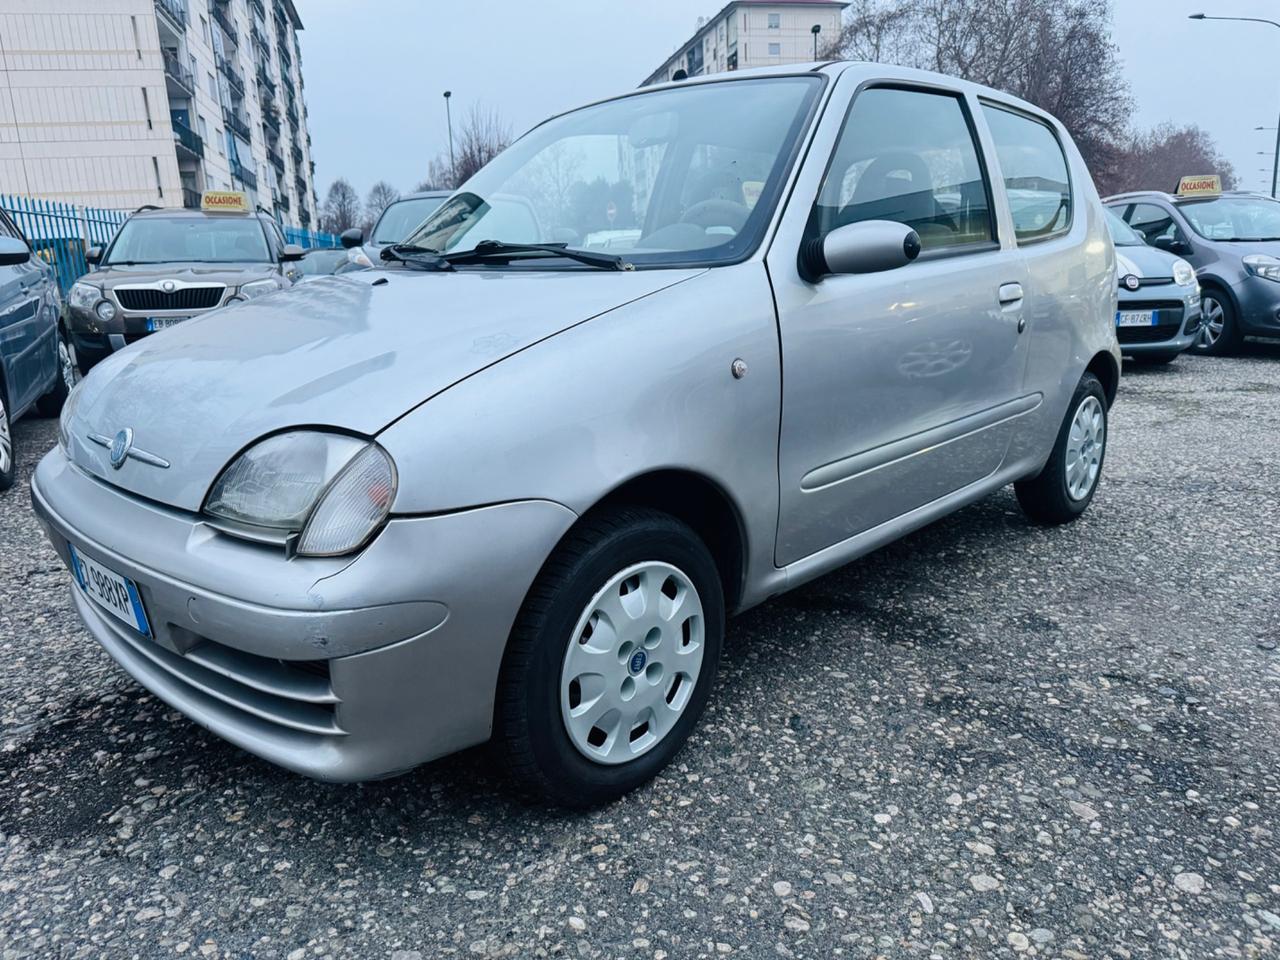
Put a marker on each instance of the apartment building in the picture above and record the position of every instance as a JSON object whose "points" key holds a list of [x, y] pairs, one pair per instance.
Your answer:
{"points": [[121, 103], [753, 33]]}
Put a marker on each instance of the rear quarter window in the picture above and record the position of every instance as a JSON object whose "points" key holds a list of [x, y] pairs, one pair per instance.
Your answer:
{"points": [[1034, 168]]}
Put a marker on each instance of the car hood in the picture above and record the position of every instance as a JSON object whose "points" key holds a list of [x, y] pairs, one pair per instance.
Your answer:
{"points": [[1144, 262], [352, 352], [230, 274]]}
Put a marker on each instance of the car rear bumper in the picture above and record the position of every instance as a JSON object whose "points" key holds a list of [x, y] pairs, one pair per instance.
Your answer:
{"points": [[340, 670]]}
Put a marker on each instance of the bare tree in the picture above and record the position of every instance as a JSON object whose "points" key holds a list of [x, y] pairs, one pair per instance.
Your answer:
{"points": [[381, 196], [439, 176], [341, 207], [483, 136], [1159, 158]]}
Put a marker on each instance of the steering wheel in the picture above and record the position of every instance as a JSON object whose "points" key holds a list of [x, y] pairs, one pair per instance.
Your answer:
{"points": [[717, 213]]}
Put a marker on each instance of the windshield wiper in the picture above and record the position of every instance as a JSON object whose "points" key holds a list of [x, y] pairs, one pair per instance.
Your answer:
{"points": [[501, 250], [411, 255]]}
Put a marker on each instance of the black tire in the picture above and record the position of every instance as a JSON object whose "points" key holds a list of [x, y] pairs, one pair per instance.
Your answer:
{"points": [[87, 358], [8, 451], [1228, 341], [530, 732], [1045, 498], [50, 405]]}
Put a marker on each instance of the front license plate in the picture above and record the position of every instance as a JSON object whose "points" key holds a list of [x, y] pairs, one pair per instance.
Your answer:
{"points": [[116, 594], [163, 323], [1135, 318]]}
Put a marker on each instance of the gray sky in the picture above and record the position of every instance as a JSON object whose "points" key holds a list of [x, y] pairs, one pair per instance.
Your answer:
{"points": [[375, 71]]}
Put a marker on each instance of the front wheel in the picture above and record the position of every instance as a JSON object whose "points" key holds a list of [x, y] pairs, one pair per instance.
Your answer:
{"points": [[612, 658], [50, 405], [7, 456], [1219, 326], [1065, 487]]}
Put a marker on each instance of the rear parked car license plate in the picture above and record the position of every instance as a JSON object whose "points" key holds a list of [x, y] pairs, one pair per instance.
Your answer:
{"points": [[1135, 318], [116, 594], [163, 323]]}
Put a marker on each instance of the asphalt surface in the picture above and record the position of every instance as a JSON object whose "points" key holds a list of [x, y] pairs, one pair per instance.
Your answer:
{"points": [[987, 740]]}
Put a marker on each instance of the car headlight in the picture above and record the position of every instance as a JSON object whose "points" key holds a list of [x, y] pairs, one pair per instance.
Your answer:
{"points": [[1261, 265], [257, 288], [1184, 275], [106, 311], [332, 490], [83, 296]]}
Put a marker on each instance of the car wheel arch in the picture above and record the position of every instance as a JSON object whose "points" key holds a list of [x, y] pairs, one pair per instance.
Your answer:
{"points": [[1107, 370]]}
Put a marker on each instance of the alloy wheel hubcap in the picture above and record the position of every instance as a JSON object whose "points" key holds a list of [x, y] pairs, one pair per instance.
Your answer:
{"points": [[632, 663], [66, 364], [1086, 440], [1211, 324], [6, 441]]}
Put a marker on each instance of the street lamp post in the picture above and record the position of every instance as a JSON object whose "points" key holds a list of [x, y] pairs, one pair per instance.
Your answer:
{"points": [[817, 29], [1275, 167], [448, 112]]}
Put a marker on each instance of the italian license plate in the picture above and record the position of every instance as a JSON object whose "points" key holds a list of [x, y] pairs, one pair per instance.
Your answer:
{"points": [[1135, 318], [116, 594], [163, 323]]}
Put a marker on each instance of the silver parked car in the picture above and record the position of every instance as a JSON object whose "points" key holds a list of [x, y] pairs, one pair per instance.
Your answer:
{"points": [[1158, 315], [509, 486]]}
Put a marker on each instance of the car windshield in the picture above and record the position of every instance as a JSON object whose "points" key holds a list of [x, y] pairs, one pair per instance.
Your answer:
{"points": [[1234, 218], [399, 219], [189, 240], [1122, 234], [677, 176]]}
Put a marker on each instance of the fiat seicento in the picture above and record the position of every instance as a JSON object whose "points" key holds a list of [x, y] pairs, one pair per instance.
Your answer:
{"points": [[667, 356]]}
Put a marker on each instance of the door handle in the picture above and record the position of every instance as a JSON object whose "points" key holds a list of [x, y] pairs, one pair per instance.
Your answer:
{"points": [[1010, 293]]}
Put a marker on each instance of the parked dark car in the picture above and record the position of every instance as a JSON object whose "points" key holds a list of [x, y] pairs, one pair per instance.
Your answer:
{"points": [[166, 266], [397, 221], [35, 367], [1233, 242]]}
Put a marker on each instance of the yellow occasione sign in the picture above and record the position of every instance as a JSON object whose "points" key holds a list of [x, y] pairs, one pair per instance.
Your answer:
{"points": [[224, 201], [1206, 186]]}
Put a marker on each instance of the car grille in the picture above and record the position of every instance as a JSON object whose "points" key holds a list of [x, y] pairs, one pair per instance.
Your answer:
{"points": [[185, 298], [1168, 324], [293, 695]]}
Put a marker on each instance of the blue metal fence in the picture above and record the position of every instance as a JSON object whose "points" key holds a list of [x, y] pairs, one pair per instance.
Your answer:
{"points": [[311, 238], [62, 232]]}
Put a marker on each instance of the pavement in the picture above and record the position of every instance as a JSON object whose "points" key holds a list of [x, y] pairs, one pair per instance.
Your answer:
{"points": [[987, 740]]}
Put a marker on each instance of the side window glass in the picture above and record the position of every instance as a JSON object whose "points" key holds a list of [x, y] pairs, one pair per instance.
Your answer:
{"points": [[6, 229], [1152, 222], [1035, 174], [908, 156]]}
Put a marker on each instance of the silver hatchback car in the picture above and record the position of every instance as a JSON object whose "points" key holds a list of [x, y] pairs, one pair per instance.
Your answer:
{"points": [[509, 485]]}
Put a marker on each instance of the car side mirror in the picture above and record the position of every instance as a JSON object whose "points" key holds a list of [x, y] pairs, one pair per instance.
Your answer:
{"points": [[352, 238], [13, 252], [1171, 245], [291, 251], [867, 247], [93, 255]]}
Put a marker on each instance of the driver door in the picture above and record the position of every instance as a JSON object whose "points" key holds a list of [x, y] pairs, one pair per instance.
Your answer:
{"points": [[903, 386]]}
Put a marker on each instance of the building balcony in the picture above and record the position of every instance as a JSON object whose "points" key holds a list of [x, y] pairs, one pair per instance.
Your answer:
{"points": [[286, 58], [237, 123], [291, 111], [258, 33], [190, 198], [187, 139], [304, 215], [271, 120], [255, 6], [175, 11], [178, 79], [222, 14], [244, 174], [298, 158], [231, 73], [283, 202], [266, 84], [277, 159]]}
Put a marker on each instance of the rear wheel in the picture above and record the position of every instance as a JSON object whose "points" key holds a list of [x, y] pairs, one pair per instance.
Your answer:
{"points": [[612, 658], [7, 455], [1219, 326], [1065, 487], [50, 405]]}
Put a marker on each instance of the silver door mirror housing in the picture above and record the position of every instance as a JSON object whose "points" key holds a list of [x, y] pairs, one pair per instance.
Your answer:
{"points": [[291, 251], [866, 247], [13, 252]]}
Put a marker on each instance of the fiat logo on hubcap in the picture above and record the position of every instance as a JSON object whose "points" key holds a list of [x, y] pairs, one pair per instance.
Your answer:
{"points": [[637, 662]]}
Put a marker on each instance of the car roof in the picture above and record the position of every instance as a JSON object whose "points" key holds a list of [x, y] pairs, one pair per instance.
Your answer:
{"points": [[423, 195], [1135, 195], [177, 213]]}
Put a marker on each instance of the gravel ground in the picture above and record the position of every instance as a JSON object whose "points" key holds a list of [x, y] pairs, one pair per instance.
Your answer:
{"points": [[986, 740]]}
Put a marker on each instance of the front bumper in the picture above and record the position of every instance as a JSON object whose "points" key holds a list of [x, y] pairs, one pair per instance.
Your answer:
{"points": [[340, 669], [1258, 301], [1179, 312]]}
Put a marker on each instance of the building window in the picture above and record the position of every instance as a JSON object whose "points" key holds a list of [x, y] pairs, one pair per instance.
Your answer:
{"points": [[155, 163], [137, 43], [775, 49], [146, 107], [204, 128], [213, 88], [217, 134], [204, 31], [775, 21]]}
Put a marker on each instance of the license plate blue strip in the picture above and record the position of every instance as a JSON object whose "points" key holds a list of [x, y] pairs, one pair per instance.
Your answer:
{"points": [[81, 580]]}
